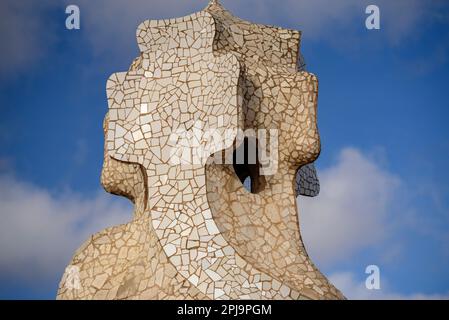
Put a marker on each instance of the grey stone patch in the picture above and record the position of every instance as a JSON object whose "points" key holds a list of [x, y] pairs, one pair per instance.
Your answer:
{"points": [[307, 183]]}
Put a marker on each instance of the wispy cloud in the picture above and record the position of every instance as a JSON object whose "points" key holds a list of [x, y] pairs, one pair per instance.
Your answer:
{"points": [[356, 290], [40, 231], [353, 210], [364, 209]]}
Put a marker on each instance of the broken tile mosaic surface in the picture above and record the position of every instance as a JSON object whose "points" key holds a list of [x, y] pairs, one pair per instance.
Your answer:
{"points": [[197, 233]]}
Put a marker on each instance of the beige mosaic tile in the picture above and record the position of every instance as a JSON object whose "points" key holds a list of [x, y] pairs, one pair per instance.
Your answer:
{"points": [[197, 233]]}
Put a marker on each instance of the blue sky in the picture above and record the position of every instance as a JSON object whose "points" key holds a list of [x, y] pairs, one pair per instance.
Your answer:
{"points": [[383, 114]]}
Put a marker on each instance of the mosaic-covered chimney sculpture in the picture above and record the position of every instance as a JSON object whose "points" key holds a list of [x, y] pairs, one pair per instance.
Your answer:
{"points": [[173, 138]]}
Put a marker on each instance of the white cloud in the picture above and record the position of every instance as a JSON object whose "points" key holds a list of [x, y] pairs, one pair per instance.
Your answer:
{"points": [[40, 232], [356, 290], [364, 207], [352, 211]]}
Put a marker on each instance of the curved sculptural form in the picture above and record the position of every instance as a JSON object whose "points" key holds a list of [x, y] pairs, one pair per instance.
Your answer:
{"points": [[197, 233]]}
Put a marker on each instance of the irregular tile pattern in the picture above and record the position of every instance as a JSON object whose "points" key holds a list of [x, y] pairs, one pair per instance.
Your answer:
{"points": [[197, 233], [307, 183]]}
